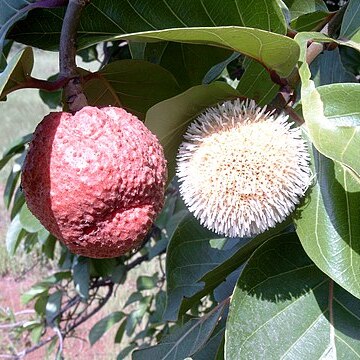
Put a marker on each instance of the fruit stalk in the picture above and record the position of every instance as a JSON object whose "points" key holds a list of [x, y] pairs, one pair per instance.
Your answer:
{"points": [[73, 92]]}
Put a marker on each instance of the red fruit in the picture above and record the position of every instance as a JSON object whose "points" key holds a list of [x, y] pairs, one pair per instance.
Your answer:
{"points": [[95, 179]]}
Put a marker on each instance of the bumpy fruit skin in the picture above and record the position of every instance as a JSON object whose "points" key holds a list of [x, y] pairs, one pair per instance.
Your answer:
{"points": [[95, 179]]}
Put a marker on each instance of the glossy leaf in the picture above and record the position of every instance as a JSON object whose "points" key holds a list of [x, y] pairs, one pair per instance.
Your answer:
{"points": [[40, 304], [350, 27], [133, 84], [216, 277], [195, 266], [256, 84], [18, 145], [332, 113], [33, 292], [52, 308], [48, 247], [135, 317], [311, 22], [187, 62], [14, 234], [328, 225], [120, 333], [285, 307], [10, 186], [16, 72], [302, 7], [81, 276], [215, 346], [328, 69], [19, 201], [274, 51], [170, 118], [51, 99], [146, 282], [103, 20], [217, 69], [36, 333], [100, 328], [185, 341], [189, 257], [28, 221], [11, 12], [126, 351]]}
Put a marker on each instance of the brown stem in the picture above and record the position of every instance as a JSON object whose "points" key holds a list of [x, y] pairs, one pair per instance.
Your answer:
{"points": [[73, 91], [313, 51]]}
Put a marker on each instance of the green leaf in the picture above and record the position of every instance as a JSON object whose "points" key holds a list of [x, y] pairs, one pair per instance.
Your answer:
{"points": [[328, 69], [274, 51], [48, 247], [120, 333], [10, 186], [195, 267], [189, 257], [137, 315], [350, 59], [119, 274], [256, 84], [311, 22], [170, 118], [100, 21], [102, 267], [18, 145], [53, 307], [11, 13], [158, 312], [146, 282], [167, 233], [302, 7], [36, 333], [56, 278], [16, 72], [331, 112], [328, 225], [134, 297], [126, 351], [14, 234], [100, 328], [42, 287], [89, 54], [350, 27], [133, 84], [40, 304], [184, 341], [42, 235], [217, 69], [51, 99], [215, 345], [283, 302], [33, 293], [28, 221], [187, 62], [81, 276], [19, 201]]}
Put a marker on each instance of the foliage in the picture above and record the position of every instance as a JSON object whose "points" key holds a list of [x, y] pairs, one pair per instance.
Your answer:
{"points": [[291, 292]]}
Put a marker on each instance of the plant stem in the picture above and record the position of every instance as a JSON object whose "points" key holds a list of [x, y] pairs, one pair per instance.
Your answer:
{"points": [[285, 95], [73, 92]]}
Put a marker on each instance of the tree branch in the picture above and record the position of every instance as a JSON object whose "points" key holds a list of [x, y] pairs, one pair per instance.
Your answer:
{"points": [[286, 95], [73, 91]]}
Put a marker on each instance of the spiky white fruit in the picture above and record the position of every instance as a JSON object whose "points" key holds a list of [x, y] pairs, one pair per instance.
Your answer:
{"points": [[241, 169]]}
